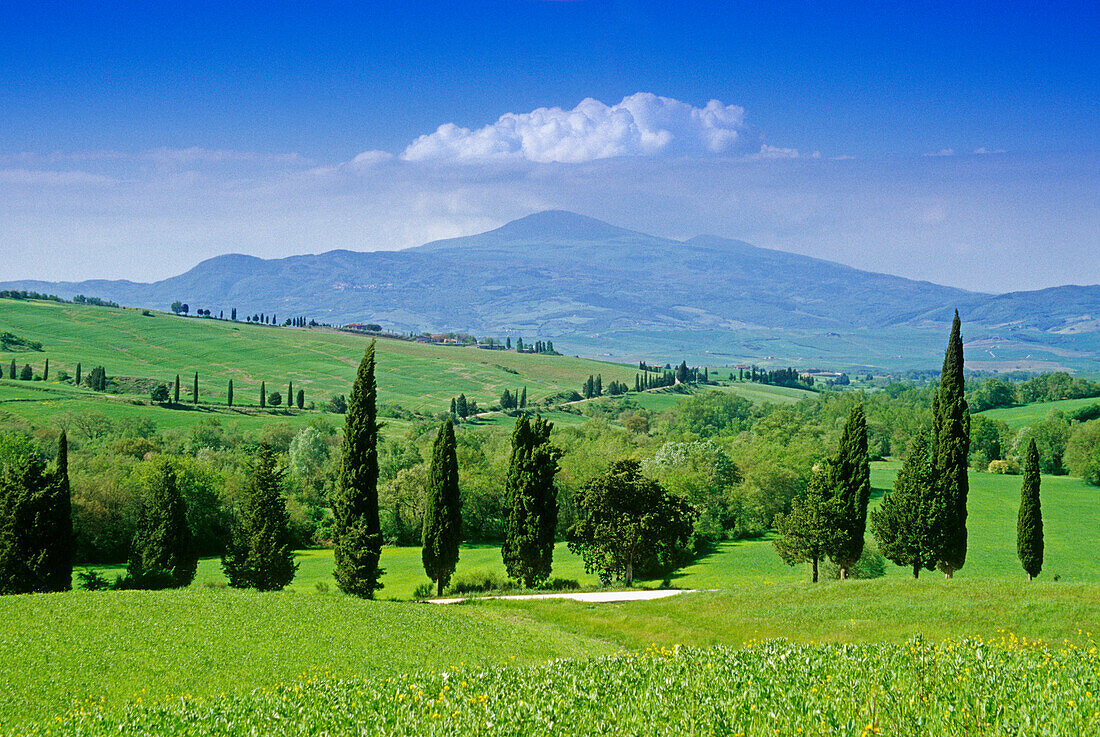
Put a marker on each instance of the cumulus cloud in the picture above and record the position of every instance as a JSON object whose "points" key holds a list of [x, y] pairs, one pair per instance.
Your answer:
{"points": [[942, 152], [642, 124]]}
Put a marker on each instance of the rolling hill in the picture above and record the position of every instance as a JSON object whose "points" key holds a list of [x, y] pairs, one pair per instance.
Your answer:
{"points": [[597, 289]]}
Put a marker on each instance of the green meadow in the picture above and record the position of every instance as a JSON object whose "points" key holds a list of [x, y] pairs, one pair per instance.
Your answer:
{"points": [[1026, 414], [213, 660], [322, 362]]}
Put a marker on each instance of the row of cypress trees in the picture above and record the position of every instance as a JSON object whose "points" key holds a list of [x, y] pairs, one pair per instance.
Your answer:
{"points": [[529, 486], [921, 524]]}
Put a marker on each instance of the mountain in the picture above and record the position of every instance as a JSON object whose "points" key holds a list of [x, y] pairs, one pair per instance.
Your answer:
{"points": [[610, 291]]}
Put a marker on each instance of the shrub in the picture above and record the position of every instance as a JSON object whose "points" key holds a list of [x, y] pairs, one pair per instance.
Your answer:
{"points": [[1010, 466], [92, 580], [871, 564], [159, 394], [478, 582]]}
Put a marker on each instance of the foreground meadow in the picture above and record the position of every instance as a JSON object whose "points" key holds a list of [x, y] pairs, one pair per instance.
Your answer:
{"points": [[1005, 687]]}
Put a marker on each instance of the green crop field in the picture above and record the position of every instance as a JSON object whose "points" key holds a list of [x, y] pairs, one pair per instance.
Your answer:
{"points": [[957, 687], [1026, 414], [322, 362]]}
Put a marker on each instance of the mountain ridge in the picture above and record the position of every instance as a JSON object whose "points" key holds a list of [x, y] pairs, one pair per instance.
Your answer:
{"points": [[584, 282]]}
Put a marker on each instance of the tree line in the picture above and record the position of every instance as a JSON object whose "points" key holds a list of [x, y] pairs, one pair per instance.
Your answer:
{"points": [[921, 523]]}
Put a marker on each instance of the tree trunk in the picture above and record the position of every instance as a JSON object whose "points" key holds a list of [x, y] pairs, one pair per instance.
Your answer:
{"points": [[814, 580], [843, 573], [630, 573], [916, 568], [947, 575], [439, 587], [1029, 577]]}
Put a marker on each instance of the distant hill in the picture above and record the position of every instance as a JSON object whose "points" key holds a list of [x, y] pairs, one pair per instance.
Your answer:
{"points": [[603, 290]]}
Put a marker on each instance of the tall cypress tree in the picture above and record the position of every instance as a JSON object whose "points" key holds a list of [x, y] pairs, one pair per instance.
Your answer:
{"points": [[358, 533], [852, 485], [910, 524], [162, 556], [442, 529], [301, 399], [263, 394], [77, 382], [46, 371], [176, 391], [36, 540], [1029, 524], [523, 398], [950, 448], [532, 500], [12, 371], [290, 395], [195, 390], [260, 554], [55, 529], [229, 394], [454, 408]]}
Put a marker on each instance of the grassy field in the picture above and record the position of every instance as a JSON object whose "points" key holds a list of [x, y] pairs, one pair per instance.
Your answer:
{"points": [[404, 570], [958, 687], [58, 649], [322, 362], [1028, 413]]}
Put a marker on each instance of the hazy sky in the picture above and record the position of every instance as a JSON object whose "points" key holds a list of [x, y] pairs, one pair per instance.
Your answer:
{"points": [[957, 144]]}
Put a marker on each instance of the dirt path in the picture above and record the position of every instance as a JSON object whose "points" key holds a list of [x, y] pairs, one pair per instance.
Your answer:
{"points": [[596, 597]]}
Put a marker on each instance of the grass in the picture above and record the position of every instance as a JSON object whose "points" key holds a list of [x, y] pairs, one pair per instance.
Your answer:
{"points": [[959, 687], [1026, 414], [879, 610], [57, 650], [404, 570], [322, 362]]}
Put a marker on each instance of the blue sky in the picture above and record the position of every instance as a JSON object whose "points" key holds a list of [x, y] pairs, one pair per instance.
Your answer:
{"points": [[96, 97]]}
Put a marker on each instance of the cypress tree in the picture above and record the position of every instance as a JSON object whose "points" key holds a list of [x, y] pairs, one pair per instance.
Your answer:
{"points": [[263, 394], [810, 531], [454, 408], [27, 373], [301, 399], [12, 371], [195, 390], [910, 524], [36, 540], [290, 395], [46, 371], [176, 391], [532, 499], [1029, 524], [442, 529], [260, 554], [950, 448], [229, 394], [852, 486], [358, 533], [597, 388], [77, 372], [523, 398], [54, 526], [161, 556], [462, 406]]}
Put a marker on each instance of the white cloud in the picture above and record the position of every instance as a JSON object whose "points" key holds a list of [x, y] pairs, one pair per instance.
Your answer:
{"points": [[984, 150], [942, 152], [642, 124]]}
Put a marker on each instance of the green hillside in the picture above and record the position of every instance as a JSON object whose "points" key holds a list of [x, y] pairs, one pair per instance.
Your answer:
{"points": [[1026, 414], [322, 362]]}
